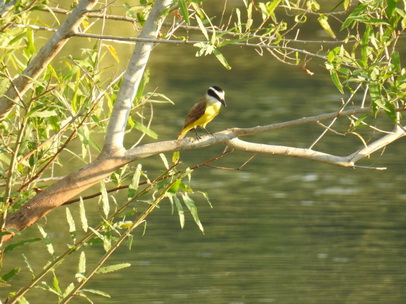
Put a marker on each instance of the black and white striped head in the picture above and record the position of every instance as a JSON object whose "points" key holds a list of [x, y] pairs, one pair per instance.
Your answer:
{"points": [[216, 93]]}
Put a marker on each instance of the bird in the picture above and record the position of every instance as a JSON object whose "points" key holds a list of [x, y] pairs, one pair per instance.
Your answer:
{"points": [[202, 113]]}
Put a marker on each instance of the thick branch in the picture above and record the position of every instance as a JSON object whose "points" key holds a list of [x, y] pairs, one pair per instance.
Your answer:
{"points": [[132, 78]]}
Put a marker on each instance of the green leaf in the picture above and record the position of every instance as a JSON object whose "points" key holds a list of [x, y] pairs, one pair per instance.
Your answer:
{"points": [[190, 204], [111, 268], [323, 20], [30, 41], [181, 212], [206, 196], [396, 61], [9, 275], [82, 214], [347, 4], [42, 114], [222, 59], [355, 14], [336, 80], [71, 221], [4, 158], [183, 10], [112, 52], [105, 200], [20, 243], [135, 181], [96, 292], [106, 241], [141, 86], [202, 27], [139, 126], [164, 160], [47, 240], [29, 266], [358, 122], [55, 284], [82, 263]]}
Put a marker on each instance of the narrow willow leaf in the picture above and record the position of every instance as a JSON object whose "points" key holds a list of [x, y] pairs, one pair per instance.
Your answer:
{"points": [[42, 114], [239, 26], [164, 160], [197, 9], [82, 263], [183, 10], [106, 241], [55, 284], [336, 80], [82, 214], [360, 120], [323, 20], [112, 52], [9, 275], [111, 268], [190, 204], [264, 10], [141, 86], [96, 292], [145, 130], [68, 289], [105, 200], [135, 181], [181, 212], [4, 159], [71, 221], [352, 18], [272, 6], [202, 27], [47, 240], [29, 266], [20, 243], [206, 196], [222, 59], [396, 61]]}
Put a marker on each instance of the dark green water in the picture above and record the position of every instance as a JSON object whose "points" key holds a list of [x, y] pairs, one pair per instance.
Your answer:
{"points": [[282, 230]]}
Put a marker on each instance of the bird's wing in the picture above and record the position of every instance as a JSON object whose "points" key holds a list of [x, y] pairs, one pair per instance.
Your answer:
{"points": [[195, 113]]}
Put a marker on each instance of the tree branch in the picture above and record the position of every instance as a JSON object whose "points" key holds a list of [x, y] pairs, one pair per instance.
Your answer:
{"points": [[118, 121]]}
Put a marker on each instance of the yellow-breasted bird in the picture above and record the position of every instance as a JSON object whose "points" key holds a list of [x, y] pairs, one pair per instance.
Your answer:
{"points": [[202, 113]]}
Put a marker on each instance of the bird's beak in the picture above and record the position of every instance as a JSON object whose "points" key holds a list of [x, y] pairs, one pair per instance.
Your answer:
{"points": [[223, 101]]}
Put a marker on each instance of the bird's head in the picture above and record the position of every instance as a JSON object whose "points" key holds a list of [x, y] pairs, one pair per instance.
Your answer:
{"points": [[216, 93]]}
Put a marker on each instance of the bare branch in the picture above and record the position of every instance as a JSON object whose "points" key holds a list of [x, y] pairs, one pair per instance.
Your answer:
{"points": [[309, 154]]}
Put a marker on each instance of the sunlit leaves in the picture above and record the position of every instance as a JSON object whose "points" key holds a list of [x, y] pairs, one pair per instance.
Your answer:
{"points": [[112, 268], [323, 20]]}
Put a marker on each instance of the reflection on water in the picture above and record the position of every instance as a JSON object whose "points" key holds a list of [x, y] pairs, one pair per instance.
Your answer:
{"points": [[281, 230]]}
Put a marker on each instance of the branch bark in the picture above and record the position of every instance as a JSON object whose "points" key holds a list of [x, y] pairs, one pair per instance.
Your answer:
{"points": [[48, 52]]}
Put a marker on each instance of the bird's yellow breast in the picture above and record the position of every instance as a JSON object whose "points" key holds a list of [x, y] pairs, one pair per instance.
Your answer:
{"points": [[211, 111]]}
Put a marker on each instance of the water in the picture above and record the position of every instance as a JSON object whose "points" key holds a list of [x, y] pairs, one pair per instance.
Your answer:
{"points": [[282, 230]]}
